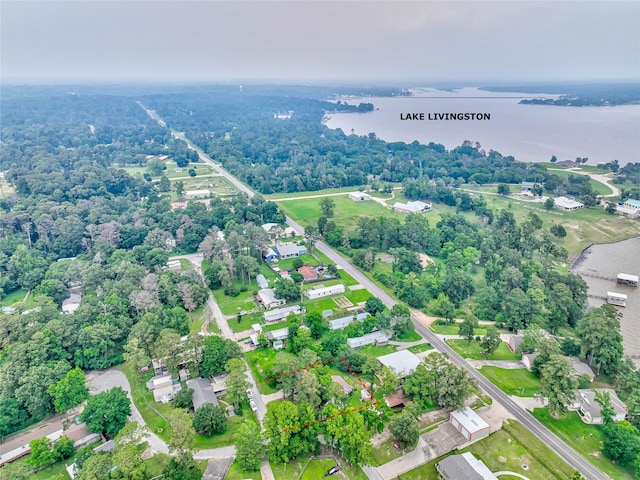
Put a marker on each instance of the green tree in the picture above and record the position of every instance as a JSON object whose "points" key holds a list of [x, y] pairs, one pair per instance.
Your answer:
{"points": [[283, 438], [165, 184], [209, 419], [155, 167], [183, 467], [136, 355], [599, 334], [107, 412], [374, 305], [309, 389], [217, 352], [453, 388], [558, 230], [179, 188], [549, 204], [311, 236], [287, 289], [327, 206], [63, 448], [182, 431], [128, 463], [503, 189], [443, 307], [491, 341], [316, 324], [557, 384], [237, 383], [70, 391], [404, 427], [183, 398], [96, 466], [250, 447], [466, 329], [621, 443], [41, 453]]}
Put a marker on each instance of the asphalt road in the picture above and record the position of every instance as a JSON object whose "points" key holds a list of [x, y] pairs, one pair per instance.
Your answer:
{"points": [[567, 453]]}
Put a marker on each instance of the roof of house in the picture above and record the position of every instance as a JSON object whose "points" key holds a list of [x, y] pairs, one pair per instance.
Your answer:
{"points": [[582, 368], [288, 249], [341, 381], [327, 313], [267, 295], [464, 467], [359, 195], [217, 468], [196, 192], [470, 420], [626, 276], [402, 362], [261, 281], [270, 253], [343, 322], [160, 381], [633, 203], [414, 207], [396, 399], [268, 226], [279, 334], [202, 392], [515, 341], [530, 356], [565, 202], [367, 339], [283, 312], [587, 398], [307, 272]]}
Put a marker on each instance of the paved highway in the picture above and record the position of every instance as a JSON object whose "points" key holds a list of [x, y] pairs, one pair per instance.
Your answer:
{"points": [[567, 453]]}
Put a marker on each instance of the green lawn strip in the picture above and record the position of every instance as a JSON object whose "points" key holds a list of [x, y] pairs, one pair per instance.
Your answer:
{"points": [[235, 472], [321, 304], [197, 319], [474, 351], [262, 360], [232, 305], [357, 296], [225, 438], [245, 322], [291, 470], [316, 469], [287, 263], [408, 337], [513, 381], [151, 412], [16, 296], [452, 329], [277, 196], [347, 279], [423, 347], [376, 351], [385, 452], [586, 439], [322, 258], [156, 464]]}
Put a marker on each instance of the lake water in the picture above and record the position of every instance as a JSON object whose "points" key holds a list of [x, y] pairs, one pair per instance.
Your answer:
{"points": [[610, 259], [530, 133]]}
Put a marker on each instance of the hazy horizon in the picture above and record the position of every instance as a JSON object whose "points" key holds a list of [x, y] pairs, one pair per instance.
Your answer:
{"points": [[319, 42]]}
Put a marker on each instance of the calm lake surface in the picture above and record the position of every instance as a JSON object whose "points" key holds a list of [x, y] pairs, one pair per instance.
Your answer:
{"points": [[530, 133], [610, 259]]}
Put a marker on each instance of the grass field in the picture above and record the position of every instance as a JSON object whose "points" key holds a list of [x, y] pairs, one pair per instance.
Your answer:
{"points": [[473, 350], [423, 347], [598, 187], [226, 437], [316, 469], [14, 297], [452, 329], [586, 439], [236, 473], [232, 305], [262, 360], [513, 381]]}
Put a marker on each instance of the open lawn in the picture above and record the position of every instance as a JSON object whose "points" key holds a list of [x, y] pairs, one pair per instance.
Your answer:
{"points": [[474, 351], [408, 337], [316, 469], [291, 470], [357, 296], [423, 347], [347, 279], [233, 305], [236, 473], [453, 329], [287, 263], [245, 322], [586, 439], [513, 381], [156, 464], [385, 452], [14, 297], [260, 361]]}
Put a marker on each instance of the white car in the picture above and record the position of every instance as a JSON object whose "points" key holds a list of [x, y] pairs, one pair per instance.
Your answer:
{"points": [[253, 405], [249, 394]]}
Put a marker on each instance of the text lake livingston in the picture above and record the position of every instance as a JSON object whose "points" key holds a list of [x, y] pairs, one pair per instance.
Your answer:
{"points": [[530, 133]]}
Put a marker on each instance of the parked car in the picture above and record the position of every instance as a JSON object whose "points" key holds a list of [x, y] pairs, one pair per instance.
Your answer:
{"points": [[253, 405]]}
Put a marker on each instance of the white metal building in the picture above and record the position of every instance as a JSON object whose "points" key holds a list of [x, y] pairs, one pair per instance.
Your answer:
{"points": [[469, 423]]}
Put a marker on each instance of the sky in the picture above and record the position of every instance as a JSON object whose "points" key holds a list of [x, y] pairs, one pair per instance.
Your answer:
{"points": [[374, 41]]}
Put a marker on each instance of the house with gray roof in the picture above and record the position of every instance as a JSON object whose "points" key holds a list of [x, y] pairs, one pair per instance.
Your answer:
{"points": [[373, 338], [403, 362], [290, 250], [262, 281], [267, 298], [344, 322], [589, 409], [202, 392], [464, 467]]}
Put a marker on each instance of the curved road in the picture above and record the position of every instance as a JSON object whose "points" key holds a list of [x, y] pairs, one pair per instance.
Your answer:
{"points": [[567, 453]]}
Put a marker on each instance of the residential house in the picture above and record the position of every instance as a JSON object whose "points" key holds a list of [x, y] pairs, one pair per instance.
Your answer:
{"points": [[397, 399], [344, 322], [290, 250], [278, 345], [281, 314], [262, 281], [590, 410], [279, 334], [514, 342], [343, 383], [322, 291], [365, 394], [528, 359], [164, 389], [470, 424], [267, 298], [464, 467], [159, 366], [359, 196], [197, 193], [270, 255], [403, 363], [184, 374], [566, 204], [202, 392], [632, 204], [411, 207], [373, 338], [308, 273], [219, 384], [580, 368]]}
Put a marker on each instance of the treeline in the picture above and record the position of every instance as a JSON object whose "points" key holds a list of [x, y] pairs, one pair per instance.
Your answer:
{"points": [[578, 95]]}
